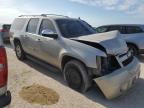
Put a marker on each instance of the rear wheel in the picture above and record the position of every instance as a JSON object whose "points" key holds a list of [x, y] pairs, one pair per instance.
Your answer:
{"points": [[19, 51], [133, 50], [76, 76]]}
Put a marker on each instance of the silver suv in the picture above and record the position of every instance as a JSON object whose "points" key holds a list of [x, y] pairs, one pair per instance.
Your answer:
{"points": [[72, 46]]}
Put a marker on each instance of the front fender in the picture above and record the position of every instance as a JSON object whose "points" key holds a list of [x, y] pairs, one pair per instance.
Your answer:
{"points": [[86, 56]]}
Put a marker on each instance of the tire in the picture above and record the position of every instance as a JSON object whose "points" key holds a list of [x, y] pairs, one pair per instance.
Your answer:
{"points": [[133, 50], [76, 76], [19, 51]]}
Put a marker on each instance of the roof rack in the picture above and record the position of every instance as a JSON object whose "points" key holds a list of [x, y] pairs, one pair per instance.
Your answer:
{"points": [[28, 15], [52, 15], [44, 15]]}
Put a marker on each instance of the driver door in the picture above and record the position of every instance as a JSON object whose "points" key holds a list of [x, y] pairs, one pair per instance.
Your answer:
{"points": [[49, 46]]}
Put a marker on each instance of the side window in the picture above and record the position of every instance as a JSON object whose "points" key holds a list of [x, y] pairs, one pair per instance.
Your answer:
{"points": [[32, 25], [102, 29], [46, 24], [18, 24], [121, 29], [134, 29]]}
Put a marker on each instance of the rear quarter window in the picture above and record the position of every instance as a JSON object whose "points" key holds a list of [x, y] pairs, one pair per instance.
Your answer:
{"points": [[18, 24]]}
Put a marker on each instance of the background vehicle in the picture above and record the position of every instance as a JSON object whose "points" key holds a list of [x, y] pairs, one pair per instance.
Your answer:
{"points": [[4, 32], [72, 46], [132, 33], [5, 96]]}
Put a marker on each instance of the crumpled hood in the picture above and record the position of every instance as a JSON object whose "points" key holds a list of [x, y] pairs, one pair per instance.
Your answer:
{"points": [[111, 41]]}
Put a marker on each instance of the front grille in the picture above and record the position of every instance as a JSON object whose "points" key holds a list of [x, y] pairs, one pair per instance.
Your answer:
{"points": [[128, 61]]}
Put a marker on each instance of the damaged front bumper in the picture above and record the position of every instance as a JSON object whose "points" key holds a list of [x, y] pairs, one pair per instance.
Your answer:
{"points": [[114, 84]]}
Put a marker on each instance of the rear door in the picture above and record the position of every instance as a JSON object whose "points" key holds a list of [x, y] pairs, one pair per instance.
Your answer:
{"points": [[31, 37]]}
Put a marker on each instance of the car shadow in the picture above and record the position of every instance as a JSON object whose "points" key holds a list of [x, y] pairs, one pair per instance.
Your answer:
{"points": [[45, 69], [133, 98]]}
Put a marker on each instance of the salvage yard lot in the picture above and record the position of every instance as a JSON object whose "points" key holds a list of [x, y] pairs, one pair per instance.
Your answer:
{"points": [[29, 72]]}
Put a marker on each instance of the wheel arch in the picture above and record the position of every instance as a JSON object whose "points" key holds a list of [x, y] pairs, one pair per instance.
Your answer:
{"points": [[16, 40], [67, 58], [133, 44]]}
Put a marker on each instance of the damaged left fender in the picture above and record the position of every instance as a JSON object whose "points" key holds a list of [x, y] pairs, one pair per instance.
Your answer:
{"points": [[87, 54]]}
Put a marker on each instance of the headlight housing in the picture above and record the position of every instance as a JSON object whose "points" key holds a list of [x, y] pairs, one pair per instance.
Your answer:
{"points": [[106, 65]]}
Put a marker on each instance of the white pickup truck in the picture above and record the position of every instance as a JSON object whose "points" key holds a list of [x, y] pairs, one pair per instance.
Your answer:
{"points": [[5, 96]]}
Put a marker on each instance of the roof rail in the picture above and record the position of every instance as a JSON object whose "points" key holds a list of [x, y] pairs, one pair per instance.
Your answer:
{"points": [[53, 15], [28, 15], [44, 15]]}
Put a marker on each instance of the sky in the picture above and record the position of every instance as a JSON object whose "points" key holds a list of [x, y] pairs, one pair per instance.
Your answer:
{"points": [[95, 12]]}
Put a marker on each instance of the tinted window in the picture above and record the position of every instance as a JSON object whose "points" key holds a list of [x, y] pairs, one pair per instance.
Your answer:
{"points": [[102, 29], [32, 25], [133, 29], [18, 24], [73, 28], [121, 29], [46, 24]]}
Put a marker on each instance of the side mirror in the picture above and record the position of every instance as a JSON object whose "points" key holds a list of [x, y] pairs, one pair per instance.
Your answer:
{"points": [[49, 33]]}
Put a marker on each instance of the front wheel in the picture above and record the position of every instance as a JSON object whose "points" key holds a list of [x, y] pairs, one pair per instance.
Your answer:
{"points": [[76, 76]]}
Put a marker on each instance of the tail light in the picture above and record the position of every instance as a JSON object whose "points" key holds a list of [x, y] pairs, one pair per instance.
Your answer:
{"points": [[3, 67]]}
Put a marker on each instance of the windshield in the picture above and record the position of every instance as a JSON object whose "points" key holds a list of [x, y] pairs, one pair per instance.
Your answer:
{"points": [[73, 28]]}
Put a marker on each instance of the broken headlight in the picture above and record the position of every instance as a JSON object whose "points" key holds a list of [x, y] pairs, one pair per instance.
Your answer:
{"points": [[106, 65]]}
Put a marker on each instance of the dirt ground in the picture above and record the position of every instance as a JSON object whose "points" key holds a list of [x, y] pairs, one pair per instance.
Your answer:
{"points": [[29, 72]]}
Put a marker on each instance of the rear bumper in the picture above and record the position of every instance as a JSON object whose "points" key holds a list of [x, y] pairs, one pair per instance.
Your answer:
{"points": [[121, 80], [5, 99]]}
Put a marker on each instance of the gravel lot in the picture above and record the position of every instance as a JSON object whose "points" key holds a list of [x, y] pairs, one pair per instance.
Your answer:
{"points": [[27, 73]]}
